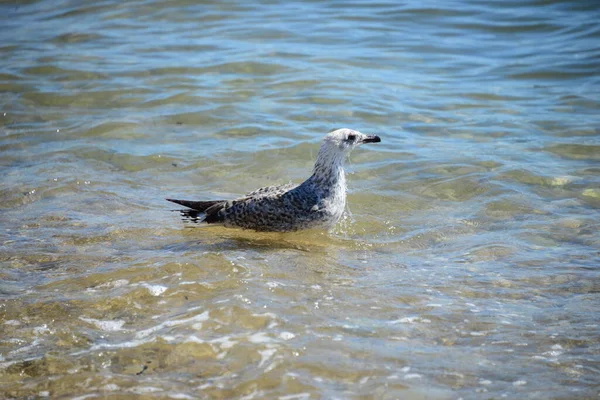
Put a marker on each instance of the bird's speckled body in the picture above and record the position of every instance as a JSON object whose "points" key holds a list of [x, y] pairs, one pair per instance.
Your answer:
{"points": [[316, 203]]}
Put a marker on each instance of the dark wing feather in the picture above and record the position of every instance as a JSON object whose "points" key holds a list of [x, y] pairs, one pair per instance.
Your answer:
{"points": [[213, 214], [201, 206]]}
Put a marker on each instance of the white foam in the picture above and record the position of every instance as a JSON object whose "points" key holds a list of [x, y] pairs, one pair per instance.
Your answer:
{"points": [[33, 344], [553, 353], [265, 355], [155, 290], [144, 389], [180, 396], [287, 335], [85, 396], [224, 342], [4, 365], [259, 337], [267, 314], [474, 333], [405, 320], [41, 329], [116, 283], [296, 396], [123, 345], [196, 318], [109, 326], [195, 339]]}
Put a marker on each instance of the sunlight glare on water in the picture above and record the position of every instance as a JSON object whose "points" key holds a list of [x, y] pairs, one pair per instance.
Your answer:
{"points": [[466, 264]]}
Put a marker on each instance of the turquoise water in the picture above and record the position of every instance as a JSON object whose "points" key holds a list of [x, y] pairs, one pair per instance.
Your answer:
{"points": [[467, 262]]}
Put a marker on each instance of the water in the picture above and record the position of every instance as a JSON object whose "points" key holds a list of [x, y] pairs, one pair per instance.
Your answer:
{"points": [[466, 267]]}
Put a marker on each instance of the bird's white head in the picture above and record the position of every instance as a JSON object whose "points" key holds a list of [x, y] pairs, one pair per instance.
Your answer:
{"points": [[337, 144], [347, 139]]}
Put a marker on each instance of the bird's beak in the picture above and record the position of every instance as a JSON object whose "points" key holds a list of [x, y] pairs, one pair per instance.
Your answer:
{"points": [[371, 139]]}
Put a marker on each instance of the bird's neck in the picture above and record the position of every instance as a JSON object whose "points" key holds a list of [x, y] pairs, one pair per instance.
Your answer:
{"points": [[328, 171]]}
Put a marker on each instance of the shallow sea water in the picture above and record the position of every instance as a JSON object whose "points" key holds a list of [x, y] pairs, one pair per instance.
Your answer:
{"points": [[467, 265]]}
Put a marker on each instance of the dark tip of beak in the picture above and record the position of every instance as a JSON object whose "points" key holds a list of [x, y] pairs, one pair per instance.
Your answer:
{"points": [[372, 139]]}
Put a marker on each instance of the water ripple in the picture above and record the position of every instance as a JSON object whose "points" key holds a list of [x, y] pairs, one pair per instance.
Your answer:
{"points": [[465, 266]]}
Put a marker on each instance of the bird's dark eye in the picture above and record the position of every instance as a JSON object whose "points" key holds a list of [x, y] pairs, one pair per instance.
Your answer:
{"points": [[351, 138]]}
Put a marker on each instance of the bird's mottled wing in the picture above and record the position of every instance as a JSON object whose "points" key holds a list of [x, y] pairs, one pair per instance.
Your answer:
{"points": [[219, 212], [269, 190], [272, 210]]}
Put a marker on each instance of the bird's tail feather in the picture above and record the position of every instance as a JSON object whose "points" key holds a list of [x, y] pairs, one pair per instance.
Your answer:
{"points": [[197, 205]]}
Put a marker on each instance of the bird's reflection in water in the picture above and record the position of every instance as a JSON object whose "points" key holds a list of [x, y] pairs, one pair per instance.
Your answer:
{"points": [[190, 216]]}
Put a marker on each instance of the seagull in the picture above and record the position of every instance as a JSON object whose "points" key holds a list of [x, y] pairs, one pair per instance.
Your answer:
{"points": [[318, 202]]}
